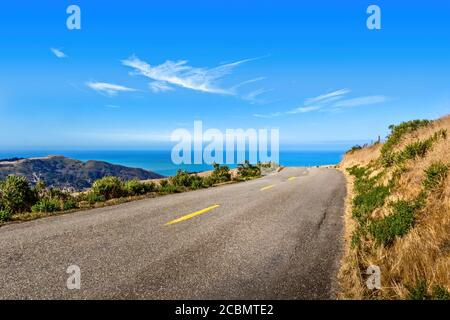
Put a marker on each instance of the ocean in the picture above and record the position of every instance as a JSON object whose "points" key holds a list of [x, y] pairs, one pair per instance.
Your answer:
{"points": [[160, 161]]}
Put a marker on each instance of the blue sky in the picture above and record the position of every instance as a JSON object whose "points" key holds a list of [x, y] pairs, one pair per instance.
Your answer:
{"points": [[137, 70]]}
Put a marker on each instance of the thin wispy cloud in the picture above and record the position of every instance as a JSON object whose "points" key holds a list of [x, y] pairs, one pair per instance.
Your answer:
{"points": [[158, 86], [303, 109], [108, 89], [256, 96], [180, 74], [330, 102], [247, 82], [327, 96], [270, 115], [360, 101], [58, 53], [293, 111]]}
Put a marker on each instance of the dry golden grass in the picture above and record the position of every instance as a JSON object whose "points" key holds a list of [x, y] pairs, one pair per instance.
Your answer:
{"points": [[423, 253], [350, 276], [361, 157]]}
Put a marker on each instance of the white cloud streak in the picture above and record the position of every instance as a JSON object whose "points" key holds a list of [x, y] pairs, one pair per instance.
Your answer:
{"points": [[303, 109], [179, 73], [255, 96], [270, 115], [108, 88], [159, 86], [360, 101], [329, 102], [331, 95], [247, 82], [58, 53]]}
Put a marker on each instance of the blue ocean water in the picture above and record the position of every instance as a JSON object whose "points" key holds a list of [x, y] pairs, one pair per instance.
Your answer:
{"points": [[160, 161]]}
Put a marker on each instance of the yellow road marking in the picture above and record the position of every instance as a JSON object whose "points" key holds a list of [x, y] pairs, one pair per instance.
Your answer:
{"points": [[268, 187], [292, 178], [189, 216]]}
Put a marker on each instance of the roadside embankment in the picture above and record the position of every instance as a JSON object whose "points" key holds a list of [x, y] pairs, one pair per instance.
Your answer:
{"points": [[398, 214]]}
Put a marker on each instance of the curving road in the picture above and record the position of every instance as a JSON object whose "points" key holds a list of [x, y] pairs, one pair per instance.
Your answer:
{"points": [[278, 237]]}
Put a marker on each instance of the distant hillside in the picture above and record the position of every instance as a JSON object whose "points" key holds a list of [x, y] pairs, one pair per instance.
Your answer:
{"points": [[398, 216], [62, 172]]}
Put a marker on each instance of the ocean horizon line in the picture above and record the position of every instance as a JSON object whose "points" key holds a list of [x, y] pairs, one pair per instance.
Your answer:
{"points": [[160, 161]]}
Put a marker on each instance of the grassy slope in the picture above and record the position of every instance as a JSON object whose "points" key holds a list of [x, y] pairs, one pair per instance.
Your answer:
{"points": [[415, 262]]}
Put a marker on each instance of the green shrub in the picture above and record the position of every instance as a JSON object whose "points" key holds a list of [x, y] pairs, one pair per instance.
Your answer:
{"points": [[397, 224], [109, 188], [398, 131], [221, 173], [366, 203], [208, 181], [40, 188], [57, 193], [358, 236], [358, 172], [69, 204], [247, 170], [163, 183], [388, 159], [169, 188], [435, 175], [440, 293], [5, 215], [16, 195], [47, 205], [181, 179], [91, 198], [197, 184], [369, 195], [135, 187], [418, 291], [416, 149]]}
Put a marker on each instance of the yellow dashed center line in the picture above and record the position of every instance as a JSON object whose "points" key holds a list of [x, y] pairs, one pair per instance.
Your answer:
{"points": [[292, 178], [189, 216], [267, 187]]}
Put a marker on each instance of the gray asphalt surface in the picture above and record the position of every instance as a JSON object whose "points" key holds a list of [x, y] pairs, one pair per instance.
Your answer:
{"points": [[282, 242]]}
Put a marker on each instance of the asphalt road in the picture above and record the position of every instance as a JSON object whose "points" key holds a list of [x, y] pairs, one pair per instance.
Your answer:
{"points": [[278, 237]]}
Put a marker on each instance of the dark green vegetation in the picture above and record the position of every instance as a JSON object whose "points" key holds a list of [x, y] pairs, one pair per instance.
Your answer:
{"points": [[399, 131], [18, 197], [417, 149], [396, 224], [65, 173], [371, 193], [435, 175], [420, 291], [392, 196], [247, 170]]}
